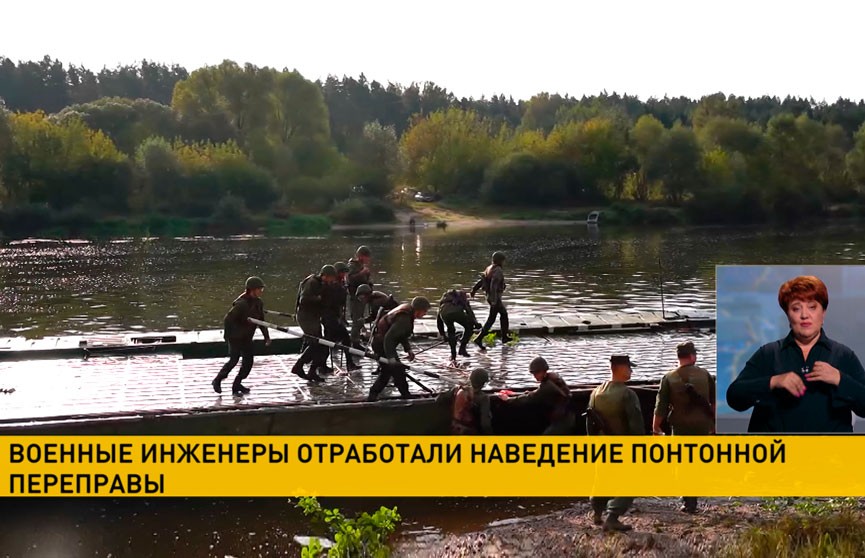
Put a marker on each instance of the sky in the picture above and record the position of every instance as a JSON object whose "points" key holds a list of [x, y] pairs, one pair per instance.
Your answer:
{"points": [[475, 47]]}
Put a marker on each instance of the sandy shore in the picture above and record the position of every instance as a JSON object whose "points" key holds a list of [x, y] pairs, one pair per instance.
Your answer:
{"points": [[660, 530], [459, 224]]}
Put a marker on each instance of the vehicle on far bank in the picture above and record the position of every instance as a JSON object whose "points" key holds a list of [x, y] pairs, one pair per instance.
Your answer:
{"points": [[426, 197]]}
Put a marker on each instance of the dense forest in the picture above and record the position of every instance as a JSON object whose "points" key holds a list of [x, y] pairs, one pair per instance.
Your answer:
{"points": [[235, 143]]}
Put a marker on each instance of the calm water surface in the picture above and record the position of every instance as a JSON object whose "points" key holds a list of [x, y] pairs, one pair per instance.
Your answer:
{"points": [[185, 284]]}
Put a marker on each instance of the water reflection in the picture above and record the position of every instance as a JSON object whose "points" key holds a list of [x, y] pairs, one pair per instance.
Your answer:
{"points": [[52, 289], [54, 527]]}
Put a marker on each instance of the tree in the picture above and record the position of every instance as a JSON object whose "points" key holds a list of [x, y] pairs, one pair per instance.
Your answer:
{"points": [[378, 159], [448, 151], [855, 161], [127, 122], [646, 137], [541, 111]]}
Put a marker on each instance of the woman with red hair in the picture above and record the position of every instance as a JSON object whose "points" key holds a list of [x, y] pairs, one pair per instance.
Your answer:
{"points": [[805, 382]]}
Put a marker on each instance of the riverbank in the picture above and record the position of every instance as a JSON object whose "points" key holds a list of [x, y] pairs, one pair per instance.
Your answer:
{"points": [[723, 527], [455, 215]]}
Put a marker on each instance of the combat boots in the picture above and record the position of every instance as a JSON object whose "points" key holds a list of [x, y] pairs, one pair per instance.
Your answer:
{"points": [[613, 524]]}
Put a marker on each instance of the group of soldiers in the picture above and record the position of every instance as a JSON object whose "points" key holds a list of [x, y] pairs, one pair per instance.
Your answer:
{"points": [[685, 400], [322, 301]]}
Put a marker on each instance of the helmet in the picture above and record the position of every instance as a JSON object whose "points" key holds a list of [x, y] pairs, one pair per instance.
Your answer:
{"points": [[254, 283], [341, 267], [363, 251], [328, 270], [419, 303], [479, 377], [363, 290], [498, 258], [538, 364]]}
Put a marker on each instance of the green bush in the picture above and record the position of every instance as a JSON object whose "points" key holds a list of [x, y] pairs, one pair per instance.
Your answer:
{"points": [[356, 211], [26, 220], [524, 179], [364, 536], [298, 225]]}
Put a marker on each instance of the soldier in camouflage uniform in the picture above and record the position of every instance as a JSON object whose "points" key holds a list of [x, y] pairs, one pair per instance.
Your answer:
{"points": [[552, 395], [238, 334], [309, 314], [493, 284], [686, 400], [358, 274], [454, 308], [396, 328], [614, 410], [379, 303], [333, 313]]}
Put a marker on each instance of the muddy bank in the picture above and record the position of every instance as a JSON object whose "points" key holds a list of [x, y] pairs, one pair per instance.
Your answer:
{"points": [[660, 530], [459, 224]]}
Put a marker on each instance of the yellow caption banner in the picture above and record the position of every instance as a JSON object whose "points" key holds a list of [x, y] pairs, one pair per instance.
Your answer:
{"points": [[224, 466]]}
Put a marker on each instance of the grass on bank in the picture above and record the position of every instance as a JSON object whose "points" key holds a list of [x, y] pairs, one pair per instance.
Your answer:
{"points": [[805, 528]]}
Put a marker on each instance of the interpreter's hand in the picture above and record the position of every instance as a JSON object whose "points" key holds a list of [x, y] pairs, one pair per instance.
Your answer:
{"points": [[789, 381], [267, 342], [824, 372], [410, 356]]}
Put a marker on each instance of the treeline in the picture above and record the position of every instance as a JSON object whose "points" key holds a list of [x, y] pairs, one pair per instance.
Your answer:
{"points": [[228, 142]]}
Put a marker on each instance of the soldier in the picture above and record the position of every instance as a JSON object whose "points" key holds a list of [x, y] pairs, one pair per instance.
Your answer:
{"points": [[493, 284], [379, 302], [470, 407], [239, 333], [553, 395], [333, 313], [687, 400], [394, 328], [358, 274], [454, 307], [614, 410], [309, 314]]}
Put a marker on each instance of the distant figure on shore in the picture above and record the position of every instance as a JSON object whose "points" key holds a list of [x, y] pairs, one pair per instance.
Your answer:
{"points": [[238, 333], [411, 224], [805, 382]]}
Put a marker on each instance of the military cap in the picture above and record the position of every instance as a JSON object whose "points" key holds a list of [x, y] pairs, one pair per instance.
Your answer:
{"points": [[327, 270], [538, 364], [420, 303], [622, 359], [363, 289], [341, 267], [686, 349], [498, 257], [254, 283], [363, 251], [479, 377]]}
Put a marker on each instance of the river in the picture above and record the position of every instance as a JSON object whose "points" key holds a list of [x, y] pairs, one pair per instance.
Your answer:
{"points": [[133, 285]]}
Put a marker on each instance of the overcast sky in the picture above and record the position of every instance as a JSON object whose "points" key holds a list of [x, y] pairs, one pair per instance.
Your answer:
{"points": [[475, 47]]}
